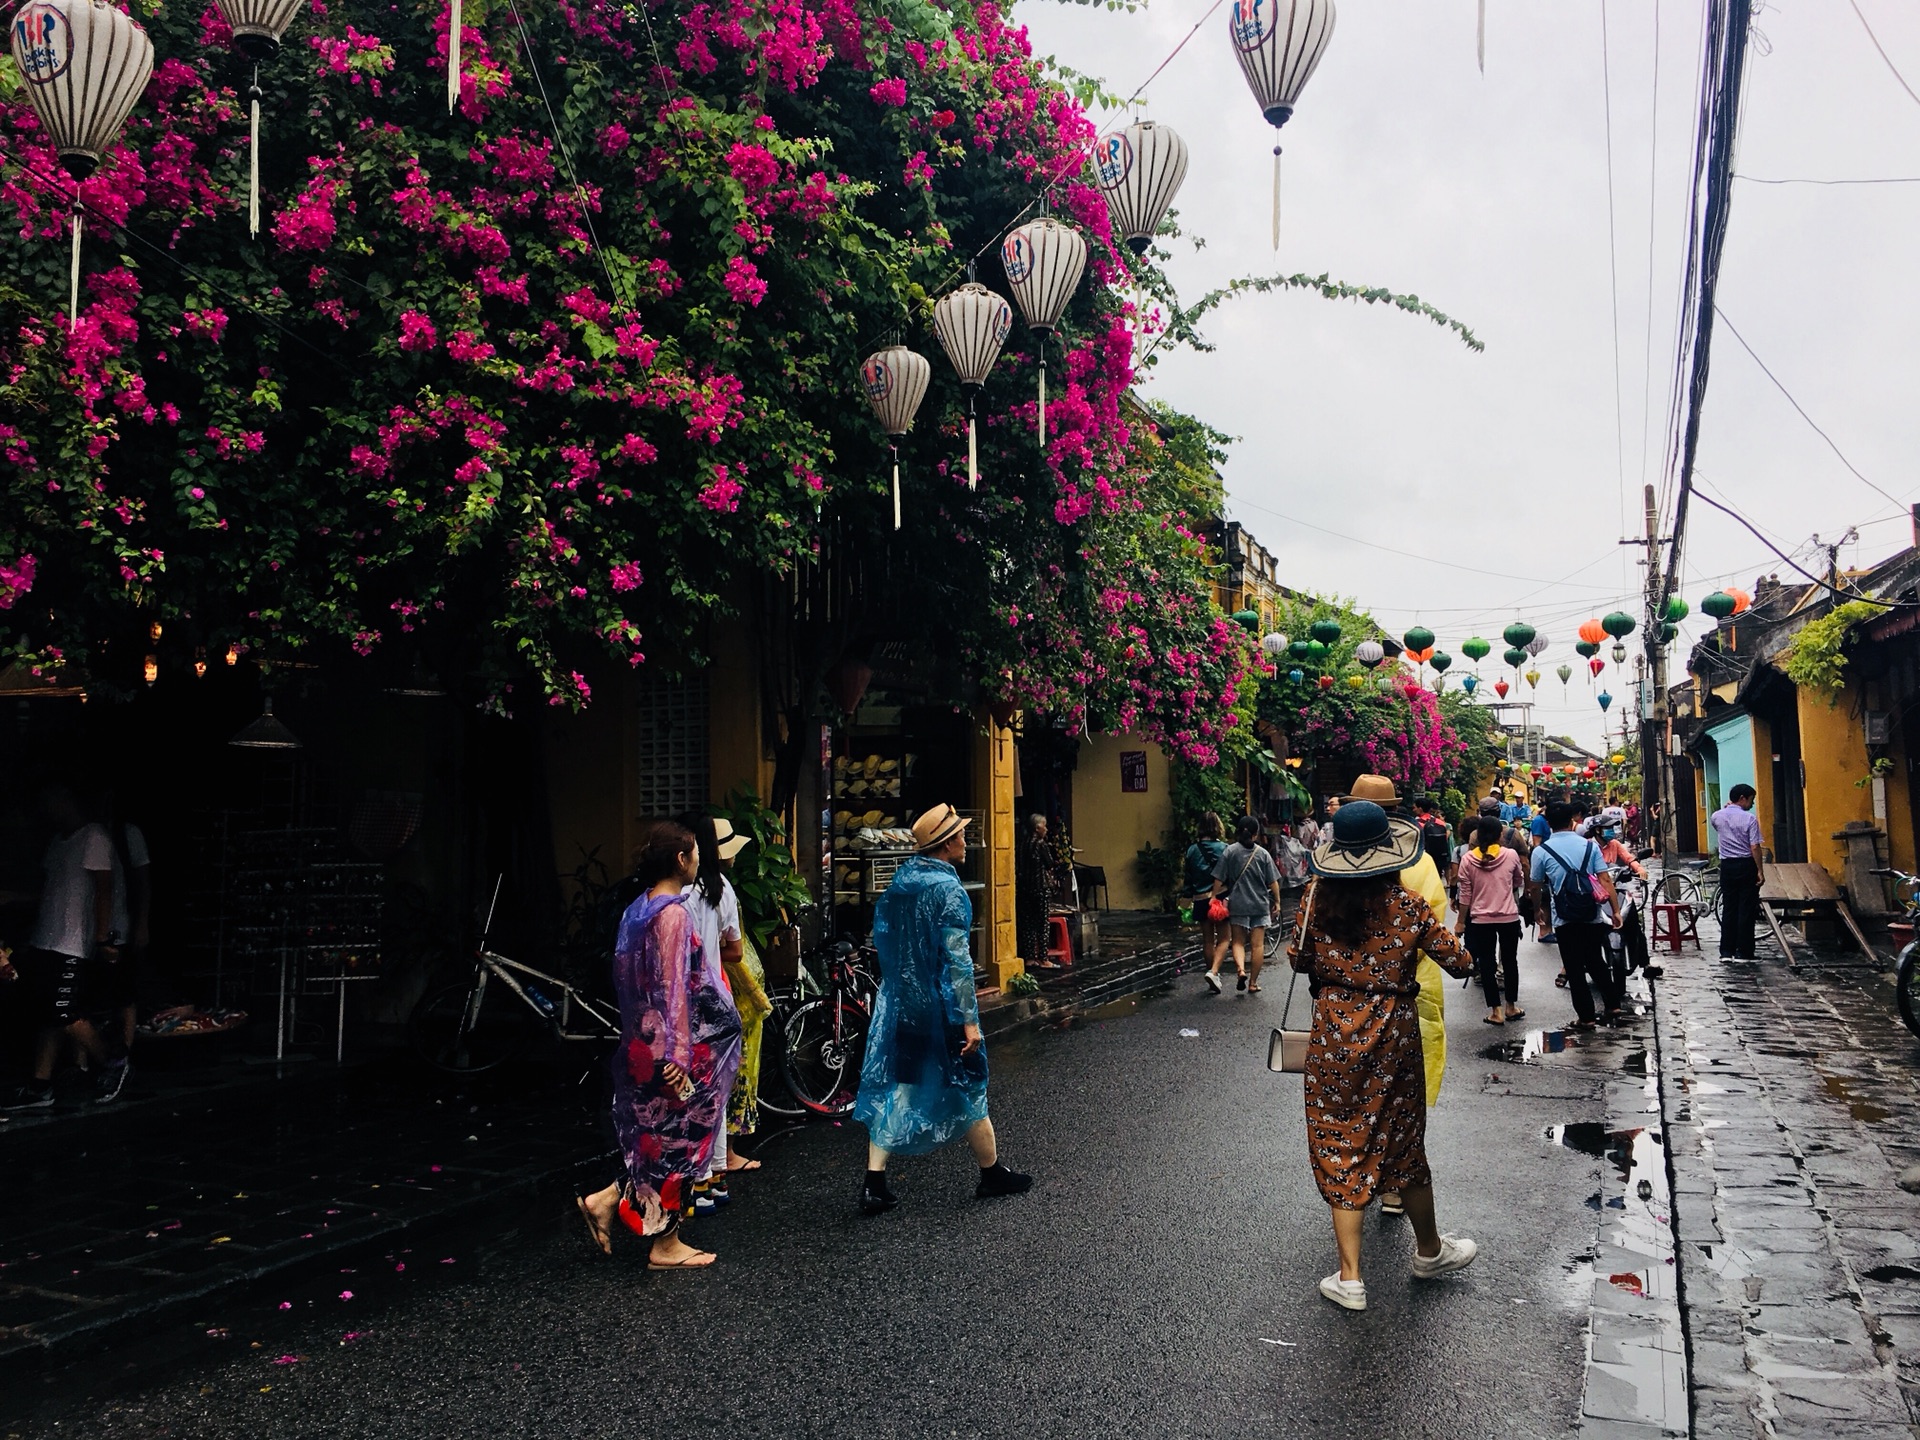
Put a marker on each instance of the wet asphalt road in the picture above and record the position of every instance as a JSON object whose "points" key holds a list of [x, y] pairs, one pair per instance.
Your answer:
{"points": [[1174, 1233]]}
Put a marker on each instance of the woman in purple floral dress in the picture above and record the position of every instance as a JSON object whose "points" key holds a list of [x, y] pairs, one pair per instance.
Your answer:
{"points": [[673, 1070]]}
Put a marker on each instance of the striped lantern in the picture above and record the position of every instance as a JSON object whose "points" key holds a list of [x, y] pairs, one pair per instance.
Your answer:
{"points": [[972, 323], [1139, 169], [895, 380], [84, 66], [1279, 43], [1044, 261], [257, 28]]}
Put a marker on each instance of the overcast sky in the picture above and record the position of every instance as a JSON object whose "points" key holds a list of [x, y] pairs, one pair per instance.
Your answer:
{"points": [[1486, 195]]}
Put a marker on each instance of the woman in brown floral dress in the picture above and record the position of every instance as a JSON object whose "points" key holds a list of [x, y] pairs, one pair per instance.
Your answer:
{"points": [[1359, 942]]}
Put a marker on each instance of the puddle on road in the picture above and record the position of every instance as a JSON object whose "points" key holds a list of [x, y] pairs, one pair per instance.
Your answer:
{"points": [[1887, 1274], [1858, 1107], [1536, 1044]]}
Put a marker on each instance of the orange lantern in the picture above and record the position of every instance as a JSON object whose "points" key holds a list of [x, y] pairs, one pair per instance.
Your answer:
{"points": [[1741, 600], [1593, 632], [1420, 657]]}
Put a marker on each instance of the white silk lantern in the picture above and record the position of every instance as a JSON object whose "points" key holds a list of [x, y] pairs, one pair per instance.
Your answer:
{"points": [[1044, 261], [1140, 169], [1279, 42], [972, 323], [896, 382], [83, 66], [257, 28]]}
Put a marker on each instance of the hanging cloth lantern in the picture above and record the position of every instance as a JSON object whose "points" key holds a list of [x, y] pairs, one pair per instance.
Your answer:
{"points": [[896, 382], [1469, 683], [1325, 682], [1514, 656], [1605, 700], [1537, 646], [1719, 605], [1300, 649], [1296, 676], [1619, 654], [257, 28], [1565, 672], [1441, 661], [1246, 619], [1518, 634], [1741, 600], [1596, 665], [1327, 632], [1532, 678], [85, 66], [1275, 644], [1475, 649], [1593, 632], [1619, 624], [972, 323], [1676, 610], [1043, 260], [1587, 649], [1139, 169], [1418, 638], [1369, 653], [1356, 682], [1279, 42], [1318, 650], [1668, 632], [1500, 688]]}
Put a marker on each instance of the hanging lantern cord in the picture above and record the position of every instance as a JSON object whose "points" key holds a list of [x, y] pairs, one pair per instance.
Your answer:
{"points": [[973, 453], [1276, 197], [1043, 391], [896, 484], [73, 288], [253, 173]]}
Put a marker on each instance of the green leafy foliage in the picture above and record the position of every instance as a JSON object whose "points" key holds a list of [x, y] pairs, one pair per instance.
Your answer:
{"points": [[764, 875], [1814, 660]]}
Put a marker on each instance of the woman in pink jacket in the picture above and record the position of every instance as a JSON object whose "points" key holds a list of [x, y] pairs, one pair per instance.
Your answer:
{"points": [[1491, 881]]}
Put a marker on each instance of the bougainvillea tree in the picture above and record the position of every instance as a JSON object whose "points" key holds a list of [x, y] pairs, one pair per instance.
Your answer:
{"points": [[545, 380]]}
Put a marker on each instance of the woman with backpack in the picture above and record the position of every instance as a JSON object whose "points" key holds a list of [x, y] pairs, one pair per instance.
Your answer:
{"points": [[1201, 857], [1246, 885], [1491, 882]]}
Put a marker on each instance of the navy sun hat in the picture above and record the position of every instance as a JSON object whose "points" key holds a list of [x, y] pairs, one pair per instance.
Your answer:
{"points": [[1367, 842]]}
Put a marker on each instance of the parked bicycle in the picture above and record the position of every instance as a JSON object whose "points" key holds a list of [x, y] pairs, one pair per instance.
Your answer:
{"points": [[1697, 884], [1906, 970], [501, 1010], [821, 1027]]}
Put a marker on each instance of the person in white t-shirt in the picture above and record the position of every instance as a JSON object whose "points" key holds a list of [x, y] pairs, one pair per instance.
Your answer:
{"points": [[74, 934]]}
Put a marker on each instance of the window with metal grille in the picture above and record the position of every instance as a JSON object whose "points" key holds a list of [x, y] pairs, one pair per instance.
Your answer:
{"points": [[673, 746]]}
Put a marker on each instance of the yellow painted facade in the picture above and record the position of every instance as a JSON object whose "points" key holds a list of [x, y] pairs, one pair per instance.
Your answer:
{"points": [[993, 762], [1111, 825], [1833, 746]]}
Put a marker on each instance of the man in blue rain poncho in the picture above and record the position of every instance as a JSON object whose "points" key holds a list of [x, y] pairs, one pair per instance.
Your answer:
{"points": [[925, 1076]]}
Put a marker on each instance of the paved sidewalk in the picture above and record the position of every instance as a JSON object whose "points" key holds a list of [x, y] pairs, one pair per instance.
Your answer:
{"points": [[1789, 1097]]}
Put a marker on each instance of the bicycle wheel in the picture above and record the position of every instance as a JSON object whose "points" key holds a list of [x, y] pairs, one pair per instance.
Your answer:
{"points": [[1907, 987], [775, 1097], [1679, 889], [472, 1026], [826, 1042]]}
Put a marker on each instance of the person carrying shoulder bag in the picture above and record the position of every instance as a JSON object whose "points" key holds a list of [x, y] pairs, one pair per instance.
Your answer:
{"points": [[1246, 878], [1491, 884]]}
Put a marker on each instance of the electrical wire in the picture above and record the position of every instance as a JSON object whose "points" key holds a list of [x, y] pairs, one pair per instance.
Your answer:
{"points": [[1826, 585], [1874, 180], [1883, 52], [1653, 211], [1801, 411], [1613, 269]]}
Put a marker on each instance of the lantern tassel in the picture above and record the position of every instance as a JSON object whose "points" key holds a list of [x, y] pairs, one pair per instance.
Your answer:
{"points": [[1043, 399], [73, 288], [1276, 197], [453, 57], [896, 485], [1480, 40], [973, 453], [253, 173]]}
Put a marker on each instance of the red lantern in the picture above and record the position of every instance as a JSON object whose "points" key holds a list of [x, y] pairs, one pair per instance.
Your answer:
{"points": [[1596, 665], [847, 682], [1500, 688], [1326, 682]]}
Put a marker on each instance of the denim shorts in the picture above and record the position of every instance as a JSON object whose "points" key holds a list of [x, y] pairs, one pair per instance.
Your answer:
{"points": [[1260, 921]]}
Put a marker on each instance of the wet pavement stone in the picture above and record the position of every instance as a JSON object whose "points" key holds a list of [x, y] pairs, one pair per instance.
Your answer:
{"points": [[1788, 1094]]}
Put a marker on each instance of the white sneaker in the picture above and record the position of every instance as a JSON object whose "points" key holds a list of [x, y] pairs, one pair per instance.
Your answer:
{"points": [[1347, 1294], [1213, 982], [1456, 1253]]}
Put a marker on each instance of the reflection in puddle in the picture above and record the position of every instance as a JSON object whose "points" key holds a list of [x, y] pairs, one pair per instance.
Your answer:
{"points": [[1886, 1274], [1858, 1108], [1536, 1044]]}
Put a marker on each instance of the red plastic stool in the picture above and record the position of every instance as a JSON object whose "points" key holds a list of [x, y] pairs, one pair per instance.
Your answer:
{"points": [[1059, 940], [1673, 926]]}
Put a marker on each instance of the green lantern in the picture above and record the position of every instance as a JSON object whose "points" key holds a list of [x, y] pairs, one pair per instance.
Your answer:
{"points": [[1619, 624], [1441, 661], [1518, 635], [1249, 618], [1515, 657], [1677, 609], [1300, 649], [1317, 650], [1668, 632], [1327, 632], [1475, 648], [1418, 638], [1719, 604], [1586, 648]]}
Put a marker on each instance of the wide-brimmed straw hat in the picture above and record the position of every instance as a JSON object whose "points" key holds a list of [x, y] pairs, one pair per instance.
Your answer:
{"points": [[1367, 842], [725, 842], [1377, 788], [936, 827]]}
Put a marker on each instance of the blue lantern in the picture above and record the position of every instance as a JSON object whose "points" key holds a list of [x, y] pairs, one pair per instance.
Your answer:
{"points": [[1296, 675], [1469, 683], [1605, 700]]}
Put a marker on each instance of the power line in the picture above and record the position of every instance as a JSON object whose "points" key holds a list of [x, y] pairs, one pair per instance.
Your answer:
{"points": [[1800, 410], [1707, 499], [1883, 52], [1613, 266], [1653, 212], [1872, 180]]}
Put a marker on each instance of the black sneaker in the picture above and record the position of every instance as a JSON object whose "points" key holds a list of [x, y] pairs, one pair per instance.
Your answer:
{"points": [[28, 1097], [110, 1082], [999, 1180], [877, 1201]]}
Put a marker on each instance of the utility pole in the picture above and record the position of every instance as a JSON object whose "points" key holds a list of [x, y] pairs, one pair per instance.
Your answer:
{"points": [[1656, 769]]}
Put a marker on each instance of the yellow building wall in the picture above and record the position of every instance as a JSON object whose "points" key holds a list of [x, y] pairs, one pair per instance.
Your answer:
{"points": [[1110, 826], [993, 792], [592, 789], [1900, 849], [1834, 747], [1763, 797]]}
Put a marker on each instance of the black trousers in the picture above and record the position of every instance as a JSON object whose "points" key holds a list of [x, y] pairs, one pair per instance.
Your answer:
{"points": [[1740, 907], [1583, 954], [1496, 949]]}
